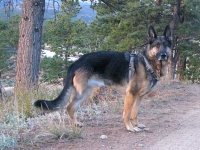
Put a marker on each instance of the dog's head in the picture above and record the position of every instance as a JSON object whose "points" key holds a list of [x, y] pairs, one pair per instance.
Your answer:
{"points": [[159, 49]]}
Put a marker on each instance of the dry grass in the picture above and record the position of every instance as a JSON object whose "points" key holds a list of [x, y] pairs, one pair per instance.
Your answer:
{"points": [[21, 125], [18, 120]]}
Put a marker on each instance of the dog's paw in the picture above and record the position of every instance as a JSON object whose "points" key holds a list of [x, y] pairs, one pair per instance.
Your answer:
{"points": [[141, 126], [134, 129], [137, 129], [79, 124]]}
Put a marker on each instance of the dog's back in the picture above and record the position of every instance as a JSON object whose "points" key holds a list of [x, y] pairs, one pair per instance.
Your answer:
{"points": [[91, 70]]}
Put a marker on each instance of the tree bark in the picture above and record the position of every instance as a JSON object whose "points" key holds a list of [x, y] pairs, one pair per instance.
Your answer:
{"points": [[181, 67], [1, 92], [158, 2], [29, 46], [173, 24]]}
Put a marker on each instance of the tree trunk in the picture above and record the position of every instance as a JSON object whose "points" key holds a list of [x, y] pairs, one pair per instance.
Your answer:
{"points": [[181, 67], [173, 24], [1, 92], [29, 47], [158, 2]]}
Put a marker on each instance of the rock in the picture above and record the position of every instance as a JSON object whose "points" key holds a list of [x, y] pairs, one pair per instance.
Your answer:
{"points": [[103, 137], [140, 145]]}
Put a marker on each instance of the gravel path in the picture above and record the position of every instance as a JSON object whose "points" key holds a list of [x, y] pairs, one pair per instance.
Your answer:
{"points": [[185, 138]]}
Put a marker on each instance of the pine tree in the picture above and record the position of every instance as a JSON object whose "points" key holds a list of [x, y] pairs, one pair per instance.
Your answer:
{"points": [[124, 27], [29, 46], [65, 35], [64, 31], [3, 54], [187, 42], [8, 39]]}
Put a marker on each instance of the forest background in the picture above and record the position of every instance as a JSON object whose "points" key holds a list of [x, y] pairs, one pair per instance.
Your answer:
{"points": [[120, 26]]}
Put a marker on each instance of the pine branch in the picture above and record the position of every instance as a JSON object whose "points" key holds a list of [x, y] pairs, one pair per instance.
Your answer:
{"points": [[4, 68]]}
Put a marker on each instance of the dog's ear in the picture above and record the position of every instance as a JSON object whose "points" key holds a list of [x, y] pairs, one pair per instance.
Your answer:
{"points": [[152, 34], [167, 33]]}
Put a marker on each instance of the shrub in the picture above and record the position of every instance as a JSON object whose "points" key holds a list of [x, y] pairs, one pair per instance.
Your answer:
{"points": [[52, 69]]}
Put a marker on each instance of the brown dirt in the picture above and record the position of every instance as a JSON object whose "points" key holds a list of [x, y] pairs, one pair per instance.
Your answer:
{"points": [[171, 116]]}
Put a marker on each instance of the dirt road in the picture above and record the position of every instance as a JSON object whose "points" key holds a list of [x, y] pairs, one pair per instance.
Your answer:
{"points": [[172, 117], [185, 137], [186, 134]]}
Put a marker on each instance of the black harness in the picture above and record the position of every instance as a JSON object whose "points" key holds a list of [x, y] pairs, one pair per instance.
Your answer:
{"points": [[131, 66], [147, 65]]}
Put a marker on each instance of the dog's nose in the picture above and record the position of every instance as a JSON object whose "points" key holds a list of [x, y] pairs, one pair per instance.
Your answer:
{"points": [[163, 56]]}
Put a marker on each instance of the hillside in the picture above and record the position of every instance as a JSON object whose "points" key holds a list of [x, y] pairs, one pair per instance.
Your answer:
{"points": [[86, 14]]}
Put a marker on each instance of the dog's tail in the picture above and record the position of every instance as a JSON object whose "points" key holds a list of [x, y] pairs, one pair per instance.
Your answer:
{"points": [[60, 101]]}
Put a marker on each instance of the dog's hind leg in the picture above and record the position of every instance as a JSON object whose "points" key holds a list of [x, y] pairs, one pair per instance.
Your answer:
{"points": [[134, 114], [80, 93], [75, 102]]}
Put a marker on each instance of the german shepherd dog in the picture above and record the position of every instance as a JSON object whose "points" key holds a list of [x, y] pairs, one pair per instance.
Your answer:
{"points": [[137, 73]]}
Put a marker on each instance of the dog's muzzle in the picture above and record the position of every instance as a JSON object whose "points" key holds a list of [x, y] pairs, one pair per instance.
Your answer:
{"points": [[163, 56]]}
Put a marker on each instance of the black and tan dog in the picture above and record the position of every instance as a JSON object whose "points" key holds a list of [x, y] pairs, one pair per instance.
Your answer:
{"points": [[137, 73]]}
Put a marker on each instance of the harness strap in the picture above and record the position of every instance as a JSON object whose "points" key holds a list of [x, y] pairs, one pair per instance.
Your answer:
{"points": [[131, 66], [148, 68]]}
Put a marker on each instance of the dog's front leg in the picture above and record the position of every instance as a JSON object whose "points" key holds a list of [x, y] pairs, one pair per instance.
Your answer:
{"points": [[134, 114], [129, 102]]}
